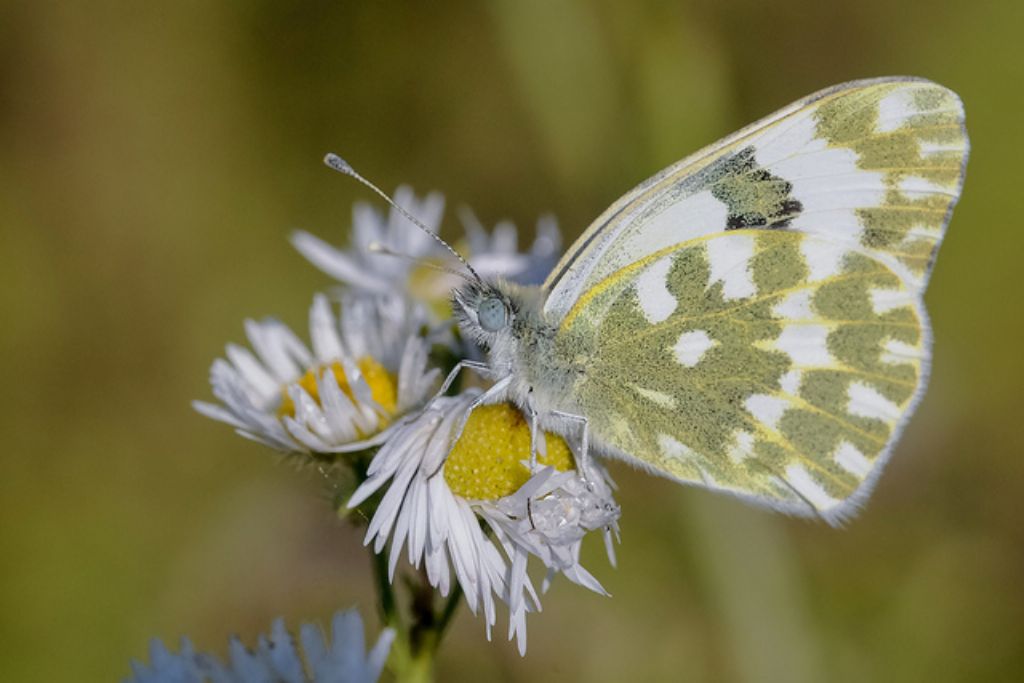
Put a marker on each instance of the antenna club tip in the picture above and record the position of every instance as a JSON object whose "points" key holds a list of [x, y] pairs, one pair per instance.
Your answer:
{"points": [[338, 164]]}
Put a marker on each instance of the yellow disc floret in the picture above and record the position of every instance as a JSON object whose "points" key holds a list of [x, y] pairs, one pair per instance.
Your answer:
{"points": [[486, 462], [382, 386]]}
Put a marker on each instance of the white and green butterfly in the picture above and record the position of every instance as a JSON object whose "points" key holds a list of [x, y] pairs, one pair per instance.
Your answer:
{"points": [[749, 319]]}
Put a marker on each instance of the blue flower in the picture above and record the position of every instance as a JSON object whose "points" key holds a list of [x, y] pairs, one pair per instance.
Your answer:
{"points": [[341, 658]]}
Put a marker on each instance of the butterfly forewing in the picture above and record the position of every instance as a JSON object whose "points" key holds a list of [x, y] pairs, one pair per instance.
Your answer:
{"points": [[751, 319], [876, 165]]}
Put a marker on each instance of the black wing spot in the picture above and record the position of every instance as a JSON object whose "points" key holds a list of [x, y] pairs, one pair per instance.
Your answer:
{"points": [[755, 197]]}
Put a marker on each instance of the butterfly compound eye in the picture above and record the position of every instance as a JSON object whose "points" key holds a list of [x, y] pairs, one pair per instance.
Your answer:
{"points": [[492, 314]]}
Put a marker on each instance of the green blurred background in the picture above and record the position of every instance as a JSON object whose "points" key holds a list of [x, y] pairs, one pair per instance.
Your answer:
{"points": [[154, 160]]}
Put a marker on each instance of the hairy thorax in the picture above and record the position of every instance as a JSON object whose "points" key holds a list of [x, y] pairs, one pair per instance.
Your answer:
{"points": [[544, 369]]}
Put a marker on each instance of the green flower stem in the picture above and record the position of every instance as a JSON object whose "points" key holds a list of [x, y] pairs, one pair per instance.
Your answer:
{"points": [[387, 604], [419, 628], [421, 639], [450, 607]]}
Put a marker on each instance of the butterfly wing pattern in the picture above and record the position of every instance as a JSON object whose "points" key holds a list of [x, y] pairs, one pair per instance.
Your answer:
{"points": [[750, 319]]}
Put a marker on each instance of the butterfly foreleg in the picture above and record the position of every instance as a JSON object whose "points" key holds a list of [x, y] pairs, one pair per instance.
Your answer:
{"points": [[583, 462], [496, 390], [482, 368]]}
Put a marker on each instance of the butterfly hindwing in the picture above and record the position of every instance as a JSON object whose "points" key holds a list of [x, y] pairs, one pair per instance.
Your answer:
{"points": [[875, 164], [740, 362]]}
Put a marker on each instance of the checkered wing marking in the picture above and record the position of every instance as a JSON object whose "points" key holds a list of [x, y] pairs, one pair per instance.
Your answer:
{"points": [[778, 366]]}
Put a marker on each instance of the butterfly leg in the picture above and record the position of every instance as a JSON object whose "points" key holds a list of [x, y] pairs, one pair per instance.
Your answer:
{"points": [[534, 426], [482, 368], [584, 460], [497, 389], [538, 446]]}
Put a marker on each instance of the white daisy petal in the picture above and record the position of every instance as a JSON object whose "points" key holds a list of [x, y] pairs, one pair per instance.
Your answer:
{"points": [[278, 347], [337, 263], [216, 412], [251, 370], [323, 330], [343, 418], [304, 437]]}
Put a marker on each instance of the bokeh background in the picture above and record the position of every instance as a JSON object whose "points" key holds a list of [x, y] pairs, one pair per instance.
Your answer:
{"points": [[155, 157]]}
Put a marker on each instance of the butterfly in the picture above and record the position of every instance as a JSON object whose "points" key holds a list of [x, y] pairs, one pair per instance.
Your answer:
{"points": [[750, 319]]}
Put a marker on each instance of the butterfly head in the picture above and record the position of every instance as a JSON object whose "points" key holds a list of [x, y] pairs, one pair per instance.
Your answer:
{"points": [[485, 312]]}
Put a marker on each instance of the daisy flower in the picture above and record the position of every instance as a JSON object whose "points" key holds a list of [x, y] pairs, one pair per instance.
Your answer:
{"points": [[363, 266], [367, 368], [475, 507], [341, 657]]}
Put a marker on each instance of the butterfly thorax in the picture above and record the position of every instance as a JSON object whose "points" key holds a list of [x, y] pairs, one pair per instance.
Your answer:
{"points": [[520, 342]]}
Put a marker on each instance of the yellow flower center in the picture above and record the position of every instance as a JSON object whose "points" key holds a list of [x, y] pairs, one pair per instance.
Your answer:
{"points": [[486, 462], [382, 386]]}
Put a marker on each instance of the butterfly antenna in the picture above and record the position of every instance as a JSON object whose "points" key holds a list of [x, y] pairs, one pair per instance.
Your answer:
{"points": [[341, 166], [378, 248]]}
